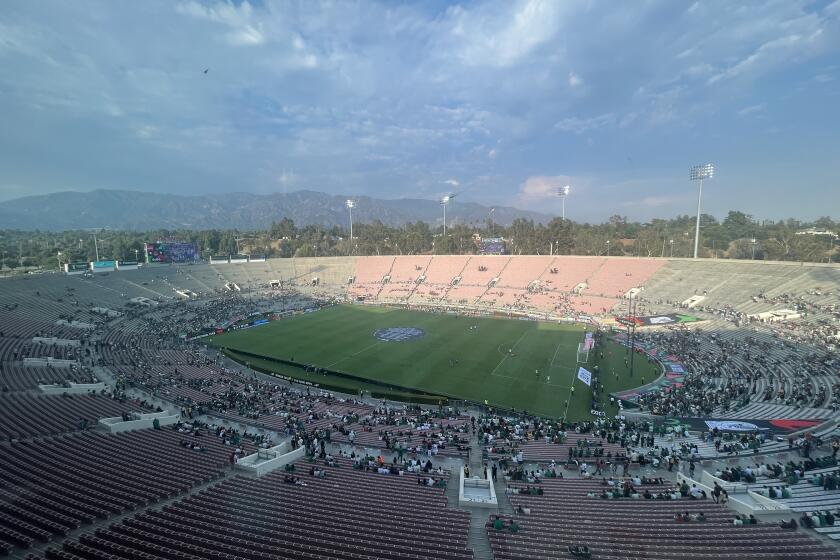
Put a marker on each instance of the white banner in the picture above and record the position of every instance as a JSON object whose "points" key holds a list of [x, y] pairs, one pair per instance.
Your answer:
{"points": [[585, 376], [731, 426]]}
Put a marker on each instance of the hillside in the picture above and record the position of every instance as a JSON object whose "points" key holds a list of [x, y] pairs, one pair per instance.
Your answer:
{"points": [[134, 210]]}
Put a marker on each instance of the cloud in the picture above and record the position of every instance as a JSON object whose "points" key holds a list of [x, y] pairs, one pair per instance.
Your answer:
{"points": [[246, 35], [146, 132], [452, 182], [386, 99], [752, 109], [236, 18], [658, 201], [581, 125], [505, 33], [541, 187], [771, 52]]}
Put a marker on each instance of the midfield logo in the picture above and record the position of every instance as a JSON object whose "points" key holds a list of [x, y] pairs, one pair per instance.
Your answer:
{"points": [[398, 334]]}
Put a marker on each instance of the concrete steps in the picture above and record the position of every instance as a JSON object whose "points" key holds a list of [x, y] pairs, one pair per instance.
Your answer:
{"points": [[478, 540]]}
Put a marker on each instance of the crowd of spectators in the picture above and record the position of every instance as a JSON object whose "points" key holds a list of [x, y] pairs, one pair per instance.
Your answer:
{"points": [[726, 373]]}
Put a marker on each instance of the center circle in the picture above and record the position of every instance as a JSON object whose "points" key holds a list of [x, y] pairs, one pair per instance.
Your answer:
{"points": [[399, 334]]}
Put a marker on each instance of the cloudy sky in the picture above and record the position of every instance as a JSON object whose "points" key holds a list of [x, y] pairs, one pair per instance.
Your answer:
{"points": [[500, 101]]}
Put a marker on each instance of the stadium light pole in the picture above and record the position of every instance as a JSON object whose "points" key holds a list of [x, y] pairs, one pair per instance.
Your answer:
{"points": [[95, 246], [443, 202], [563, 192], [350, 204], [698, 173]]}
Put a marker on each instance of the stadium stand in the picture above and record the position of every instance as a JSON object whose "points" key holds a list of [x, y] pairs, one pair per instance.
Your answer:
{"points": [[583, 513], [240, 517], [24, 415], [176, 494]]}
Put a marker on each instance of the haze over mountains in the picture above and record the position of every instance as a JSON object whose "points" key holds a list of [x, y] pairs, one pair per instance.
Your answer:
{"points": [[132, 210]]}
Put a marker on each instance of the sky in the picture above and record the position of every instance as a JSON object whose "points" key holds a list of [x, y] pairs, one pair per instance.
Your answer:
{"points": [[501, 102]]}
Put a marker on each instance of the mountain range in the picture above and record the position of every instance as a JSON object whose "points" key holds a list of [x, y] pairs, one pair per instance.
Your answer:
{"points": [[139, 211]]}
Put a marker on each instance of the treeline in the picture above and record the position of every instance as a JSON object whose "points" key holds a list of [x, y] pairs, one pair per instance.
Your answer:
{"points": [[737, 236]]}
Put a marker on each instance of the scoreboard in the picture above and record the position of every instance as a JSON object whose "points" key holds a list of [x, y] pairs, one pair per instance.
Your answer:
{"points": [[170, 252]]}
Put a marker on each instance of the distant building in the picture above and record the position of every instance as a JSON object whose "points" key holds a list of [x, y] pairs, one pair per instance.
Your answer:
{"points": [[815, 231]]}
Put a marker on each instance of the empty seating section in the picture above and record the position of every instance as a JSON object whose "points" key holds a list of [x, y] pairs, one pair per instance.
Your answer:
{"points": [[624, 528], [480, 270], [443, 269], [565, 273], [541, 284], [403, 278], [25, 415], [51, 486], [408, 269], [522, 271], [348, 514], [24, 378], [371, 270], [14, 325], [617, 276]]}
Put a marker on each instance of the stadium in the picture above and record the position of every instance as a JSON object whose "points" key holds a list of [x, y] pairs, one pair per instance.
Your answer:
{"points": [[419, 280], [225, 410]]}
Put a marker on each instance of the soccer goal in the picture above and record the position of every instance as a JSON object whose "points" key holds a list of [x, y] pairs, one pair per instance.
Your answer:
{"points": [[584, 348], [583, 353]]}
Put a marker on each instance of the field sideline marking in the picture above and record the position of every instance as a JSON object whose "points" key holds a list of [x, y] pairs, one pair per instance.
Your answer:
{"points": [[507, 355], [569, 397], [353, 355]]}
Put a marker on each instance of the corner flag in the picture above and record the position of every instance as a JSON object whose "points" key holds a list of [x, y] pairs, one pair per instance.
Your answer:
{"points": [[585, 376]]}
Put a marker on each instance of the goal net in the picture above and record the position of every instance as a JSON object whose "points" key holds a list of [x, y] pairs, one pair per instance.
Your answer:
{"points": [[584, 348], [582, 353]]}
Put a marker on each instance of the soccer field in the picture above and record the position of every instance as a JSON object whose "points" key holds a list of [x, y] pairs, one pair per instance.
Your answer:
{"points": [[510, 363]]}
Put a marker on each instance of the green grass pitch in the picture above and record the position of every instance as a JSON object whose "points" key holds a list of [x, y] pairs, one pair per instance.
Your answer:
{"points": [[472, 358]]}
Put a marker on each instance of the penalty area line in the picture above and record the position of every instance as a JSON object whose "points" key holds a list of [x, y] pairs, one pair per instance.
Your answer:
{"points": [[506, 356], [554, 357]]}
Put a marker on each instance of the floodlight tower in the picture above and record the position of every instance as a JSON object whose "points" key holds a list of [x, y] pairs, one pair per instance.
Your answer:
{"points": [[563, 192], [443, 202], [350, 204], [95, 245], [698, 173]]}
